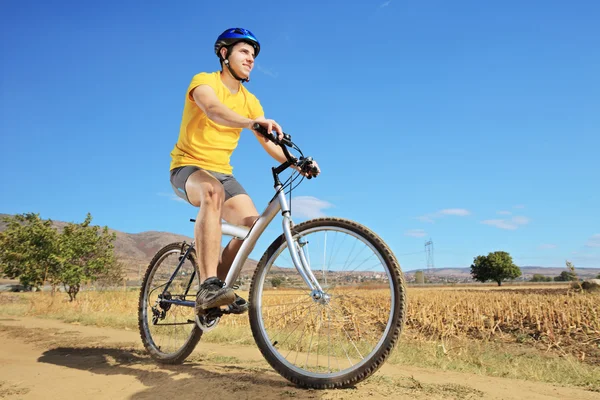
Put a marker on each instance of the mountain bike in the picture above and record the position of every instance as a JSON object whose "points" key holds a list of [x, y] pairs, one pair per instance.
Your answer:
{"points": [[327, 298]]}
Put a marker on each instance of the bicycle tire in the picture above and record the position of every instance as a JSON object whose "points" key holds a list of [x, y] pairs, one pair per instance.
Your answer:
{"points": [[397, 318], [179, 356]]}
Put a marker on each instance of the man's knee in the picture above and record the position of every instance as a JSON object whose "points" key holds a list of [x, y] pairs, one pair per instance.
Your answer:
{"points": [[212, 196], [249, 221]]}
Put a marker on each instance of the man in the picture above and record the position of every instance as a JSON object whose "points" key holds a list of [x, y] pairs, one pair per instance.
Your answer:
{"points": [[217, 108]]}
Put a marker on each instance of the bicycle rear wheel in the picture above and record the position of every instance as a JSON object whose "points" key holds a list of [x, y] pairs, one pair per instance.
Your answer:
{"points": [[344, 336], [169, 331]]}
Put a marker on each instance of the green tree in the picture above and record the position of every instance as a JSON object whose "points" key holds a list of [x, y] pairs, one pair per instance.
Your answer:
{"points": [[276, 282], [496, 266], [86, 253], [598, 277], [113, 275], [28, 250], [540, 278], [565, 276]]}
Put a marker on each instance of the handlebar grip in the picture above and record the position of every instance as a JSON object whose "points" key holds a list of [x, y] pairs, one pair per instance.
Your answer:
{"points": [[261, 129], [287, 139]]}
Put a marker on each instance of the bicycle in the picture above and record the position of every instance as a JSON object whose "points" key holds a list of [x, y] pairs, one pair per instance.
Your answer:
{"points": [[340, 301]]}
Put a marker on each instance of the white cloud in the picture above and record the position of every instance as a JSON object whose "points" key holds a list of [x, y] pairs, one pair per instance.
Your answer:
{"points": [[415, 233], [519, 206], [499, 223], [510, 224], [520, 220], [309, 207], [547, 246], [504, 213], [594, 241], [266, 71], [460, 212], [172, 196], [385, 4]]}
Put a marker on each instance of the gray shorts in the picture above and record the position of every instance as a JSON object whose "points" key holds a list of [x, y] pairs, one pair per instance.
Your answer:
{"points": [[180, 175]]}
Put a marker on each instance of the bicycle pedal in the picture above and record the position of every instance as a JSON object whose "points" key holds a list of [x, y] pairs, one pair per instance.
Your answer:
{"points": [[215, 312]]}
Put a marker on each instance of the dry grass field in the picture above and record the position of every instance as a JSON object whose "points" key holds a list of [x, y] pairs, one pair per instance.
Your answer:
{"points": [[556, 329]]}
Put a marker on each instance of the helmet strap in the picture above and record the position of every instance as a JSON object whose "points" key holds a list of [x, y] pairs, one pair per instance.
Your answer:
{"points": [[231, 71]]}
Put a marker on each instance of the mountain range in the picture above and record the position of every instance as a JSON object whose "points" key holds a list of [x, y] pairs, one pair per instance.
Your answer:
{"points": [[136, 250]]}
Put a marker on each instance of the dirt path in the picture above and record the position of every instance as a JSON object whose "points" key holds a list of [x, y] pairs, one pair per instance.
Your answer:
{"points": [[48, 359]]}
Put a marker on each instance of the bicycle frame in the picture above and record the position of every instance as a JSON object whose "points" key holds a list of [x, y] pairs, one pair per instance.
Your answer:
{"points": [[250, 236]]}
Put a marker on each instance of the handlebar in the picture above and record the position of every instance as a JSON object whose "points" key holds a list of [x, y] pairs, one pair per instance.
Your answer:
{"points": [[305, 164]]}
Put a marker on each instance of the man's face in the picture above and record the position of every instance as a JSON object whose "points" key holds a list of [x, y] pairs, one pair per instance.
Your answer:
{"points": [[242, 59]]}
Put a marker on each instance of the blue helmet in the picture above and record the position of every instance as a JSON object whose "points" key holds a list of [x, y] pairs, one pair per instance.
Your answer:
{"points": [[234, 35]]}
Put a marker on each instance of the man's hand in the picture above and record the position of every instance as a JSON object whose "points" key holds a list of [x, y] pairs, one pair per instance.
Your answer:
{"points": [[270, 125], [310, 169]]}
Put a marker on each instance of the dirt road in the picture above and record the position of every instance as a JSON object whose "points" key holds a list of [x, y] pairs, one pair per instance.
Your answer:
{"points": [[48, 359]]}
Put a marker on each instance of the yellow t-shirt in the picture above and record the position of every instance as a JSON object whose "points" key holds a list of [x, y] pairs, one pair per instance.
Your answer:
{"points": [[203, 142]]}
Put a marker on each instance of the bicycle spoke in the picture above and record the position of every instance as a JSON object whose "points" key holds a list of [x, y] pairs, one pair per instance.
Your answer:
{"points": [[298, 341], [349, 338], [281, 330], [290, 311]]}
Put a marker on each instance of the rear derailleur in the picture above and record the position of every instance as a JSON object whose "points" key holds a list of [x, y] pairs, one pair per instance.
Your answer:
{"points": [[159, 310]]}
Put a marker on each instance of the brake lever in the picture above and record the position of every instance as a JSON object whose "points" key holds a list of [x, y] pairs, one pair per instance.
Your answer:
{"points": [[305, 162]]}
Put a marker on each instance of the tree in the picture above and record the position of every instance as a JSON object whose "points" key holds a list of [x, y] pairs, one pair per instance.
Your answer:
{"points": [[598, 277], [540, 278], [113, 275], [496, 266], [565, 276], [276, 282], [28, 250], [86, 253]]}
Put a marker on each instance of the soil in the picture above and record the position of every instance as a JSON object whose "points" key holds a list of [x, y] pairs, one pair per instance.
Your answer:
{"points": [[49, 359]]}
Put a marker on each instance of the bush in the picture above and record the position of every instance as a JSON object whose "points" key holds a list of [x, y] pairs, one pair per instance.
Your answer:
{"points": [[590, 286], [565, 276], [276, 282], [540, 278]]}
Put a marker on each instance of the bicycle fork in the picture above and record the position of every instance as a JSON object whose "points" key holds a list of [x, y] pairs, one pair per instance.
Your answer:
{"points": [[298, 254]]}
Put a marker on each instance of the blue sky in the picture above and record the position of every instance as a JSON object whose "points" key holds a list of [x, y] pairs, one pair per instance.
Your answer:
{"points": [[469, 123]]}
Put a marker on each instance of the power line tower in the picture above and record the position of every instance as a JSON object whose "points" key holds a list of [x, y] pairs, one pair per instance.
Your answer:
{"points": [[429, 255]]}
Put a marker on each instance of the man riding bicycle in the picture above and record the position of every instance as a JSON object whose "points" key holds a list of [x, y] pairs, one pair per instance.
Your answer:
{"points": [[217, 108]]}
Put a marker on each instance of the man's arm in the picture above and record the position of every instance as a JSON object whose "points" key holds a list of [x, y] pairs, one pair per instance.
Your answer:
{"points": [[207, 100]]}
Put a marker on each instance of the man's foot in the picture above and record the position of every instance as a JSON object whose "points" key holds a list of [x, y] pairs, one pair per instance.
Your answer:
{"points": [[239, 306], [212, 294]]}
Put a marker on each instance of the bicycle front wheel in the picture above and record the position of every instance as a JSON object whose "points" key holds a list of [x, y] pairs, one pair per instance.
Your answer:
{"points": [[342, 336]]}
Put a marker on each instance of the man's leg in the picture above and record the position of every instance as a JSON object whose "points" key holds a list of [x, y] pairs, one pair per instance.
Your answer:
{"points": [[238, 210], [206, 192]]}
